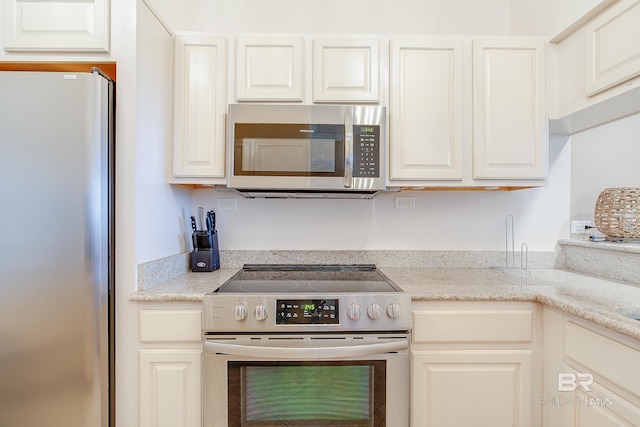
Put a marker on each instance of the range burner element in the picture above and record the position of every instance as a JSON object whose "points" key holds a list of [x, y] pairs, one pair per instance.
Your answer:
{"points": [[307, 278], [303, 297]]}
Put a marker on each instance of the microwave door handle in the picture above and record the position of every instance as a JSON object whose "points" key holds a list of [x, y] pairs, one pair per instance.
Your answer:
{"points": [[348, 150], [310, 353]]}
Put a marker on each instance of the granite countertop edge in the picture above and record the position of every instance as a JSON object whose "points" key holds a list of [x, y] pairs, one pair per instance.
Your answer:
{"points": [[605, 302]]}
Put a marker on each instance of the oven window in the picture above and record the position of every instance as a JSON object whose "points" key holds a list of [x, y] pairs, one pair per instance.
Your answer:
{"points": [[341, 393]]}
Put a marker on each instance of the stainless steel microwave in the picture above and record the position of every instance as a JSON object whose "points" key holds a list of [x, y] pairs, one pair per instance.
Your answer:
{"points": [[306, 150]]}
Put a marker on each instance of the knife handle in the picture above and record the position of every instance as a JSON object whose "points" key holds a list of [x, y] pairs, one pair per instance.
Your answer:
{"points": [[201, 218], [193, 223], [209, 222]]}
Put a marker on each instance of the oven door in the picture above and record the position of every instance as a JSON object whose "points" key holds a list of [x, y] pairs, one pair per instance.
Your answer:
{"points": [[314, 380]]}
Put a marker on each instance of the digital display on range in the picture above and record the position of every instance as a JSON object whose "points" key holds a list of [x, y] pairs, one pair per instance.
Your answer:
{"points": [[307, 312]]}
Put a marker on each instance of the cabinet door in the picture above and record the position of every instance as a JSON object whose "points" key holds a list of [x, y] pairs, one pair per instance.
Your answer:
{"points": [[426, 111], [64, 25], [462, 388], [345, 70], [602, 393], [200, 105], [509, 109], [587, 402], [613, 47], [269, 69], [170, 393]]}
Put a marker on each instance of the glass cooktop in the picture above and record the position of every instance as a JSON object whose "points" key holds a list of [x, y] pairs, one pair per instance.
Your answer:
{"points": [[308, 278]]}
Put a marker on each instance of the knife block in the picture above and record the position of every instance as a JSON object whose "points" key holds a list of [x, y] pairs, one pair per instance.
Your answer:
{"points": [[207, 259]]}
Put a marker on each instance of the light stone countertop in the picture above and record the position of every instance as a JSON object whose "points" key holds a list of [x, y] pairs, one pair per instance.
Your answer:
{"points": [[185, 287], [604, 302]]}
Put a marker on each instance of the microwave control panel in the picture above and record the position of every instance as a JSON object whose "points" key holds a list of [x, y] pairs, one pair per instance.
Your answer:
{"points": [[366, 151]]}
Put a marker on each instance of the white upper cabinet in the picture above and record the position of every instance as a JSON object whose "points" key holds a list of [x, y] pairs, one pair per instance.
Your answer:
{"points": [[597, 72], [613, 47], [468, 113], [346, 70], [200, 103], [64, 25], [509, 109], [269, 69], [426, 117]]}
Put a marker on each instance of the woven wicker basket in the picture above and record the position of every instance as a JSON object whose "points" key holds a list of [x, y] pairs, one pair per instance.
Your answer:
{"points": [[617, 212]]}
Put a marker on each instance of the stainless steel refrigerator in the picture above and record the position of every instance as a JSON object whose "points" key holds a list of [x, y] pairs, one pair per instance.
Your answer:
{"points": [[56, 249]]}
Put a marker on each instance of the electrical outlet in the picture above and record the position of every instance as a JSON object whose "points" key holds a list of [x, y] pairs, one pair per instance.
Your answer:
{"points": [[228, 204], [403, 202], [580, 227]]}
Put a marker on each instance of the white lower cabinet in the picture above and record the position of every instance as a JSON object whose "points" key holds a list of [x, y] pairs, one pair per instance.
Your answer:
{"points": [[461, 388], [170, 388], [601, 378], [475, 364], [590, 374], [600, 407], [170, 368]]}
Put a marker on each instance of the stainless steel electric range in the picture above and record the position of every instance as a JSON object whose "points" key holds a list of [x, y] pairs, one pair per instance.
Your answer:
{"points": [[312, 345]]}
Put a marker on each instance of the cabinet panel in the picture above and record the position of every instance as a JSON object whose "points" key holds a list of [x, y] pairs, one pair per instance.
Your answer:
{"points": [[613, 47], [170, 388], [426, 116], [345, 70], [599, 407], [473, 326], [200, 105], [269, 69], [509, 108], [597, 352], [76, 25], [170, 326], [461, 388]]}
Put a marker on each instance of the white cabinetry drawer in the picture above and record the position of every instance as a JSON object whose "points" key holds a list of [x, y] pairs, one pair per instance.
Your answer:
{"points": [[170, 325], [473, 325], [603, 357]]}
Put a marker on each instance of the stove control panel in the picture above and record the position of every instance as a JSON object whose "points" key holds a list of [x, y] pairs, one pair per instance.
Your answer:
{"points": [[307, 312]]}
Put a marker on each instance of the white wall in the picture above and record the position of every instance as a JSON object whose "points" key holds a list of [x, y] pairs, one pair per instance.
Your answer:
{"points": [[160, 207], [337, 16], [548, 17], [602, 157]]}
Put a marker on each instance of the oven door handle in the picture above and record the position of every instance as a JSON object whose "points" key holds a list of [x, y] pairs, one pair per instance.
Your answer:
{"points": [[310, 353]]}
